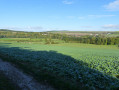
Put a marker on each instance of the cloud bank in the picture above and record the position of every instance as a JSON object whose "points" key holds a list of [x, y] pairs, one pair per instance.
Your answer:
{"points": [[67, 2], [113, 6], [110, 26], [95, 16]]}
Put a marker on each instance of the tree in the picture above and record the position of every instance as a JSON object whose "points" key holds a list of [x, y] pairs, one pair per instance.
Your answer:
{"points": [[118, 45], [46, 41]]}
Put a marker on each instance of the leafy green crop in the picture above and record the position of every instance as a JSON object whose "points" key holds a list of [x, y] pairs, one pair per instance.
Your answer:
{"points": [[5, 83], [92, 66]]}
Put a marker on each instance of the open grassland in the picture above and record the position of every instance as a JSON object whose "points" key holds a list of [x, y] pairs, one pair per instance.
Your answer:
{"points": [[30, 40], [66, 65]]}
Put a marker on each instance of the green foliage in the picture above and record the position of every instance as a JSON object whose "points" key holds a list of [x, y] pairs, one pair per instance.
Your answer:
{"points": [[92, 66], [5, 83], [117, 76], [100, 39], [118, 45]]}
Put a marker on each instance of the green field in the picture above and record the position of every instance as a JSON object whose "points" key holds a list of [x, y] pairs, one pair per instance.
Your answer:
{"points": [[76, 64]]}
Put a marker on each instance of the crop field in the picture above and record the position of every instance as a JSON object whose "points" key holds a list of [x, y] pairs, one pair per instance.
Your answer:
{"points": [[76, 64]]}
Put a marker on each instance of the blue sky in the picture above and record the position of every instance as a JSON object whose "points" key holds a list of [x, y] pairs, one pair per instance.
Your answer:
{"points": [[45, 15]]}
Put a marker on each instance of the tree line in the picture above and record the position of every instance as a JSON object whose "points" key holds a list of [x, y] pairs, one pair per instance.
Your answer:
{"points": [[98, 40]]}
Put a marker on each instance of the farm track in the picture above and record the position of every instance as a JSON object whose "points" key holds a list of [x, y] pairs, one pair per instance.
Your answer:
{"points": [[22, 80]]}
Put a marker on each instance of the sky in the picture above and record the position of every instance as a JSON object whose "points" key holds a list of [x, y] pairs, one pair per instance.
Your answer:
{"points": [[46, 15]]}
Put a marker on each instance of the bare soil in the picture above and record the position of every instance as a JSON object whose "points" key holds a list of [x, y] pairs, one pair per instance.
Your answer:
{"points": [[22, 80]]}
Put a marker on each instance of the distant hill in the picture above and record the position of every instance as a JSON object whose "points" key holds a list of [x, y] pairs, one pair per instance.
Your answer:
{"points": [[6, 30]]}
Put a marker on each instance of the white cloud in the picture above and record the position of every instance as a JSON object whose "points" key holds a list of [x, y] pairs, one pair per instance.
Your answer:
{"points": [[25, 28], [81, 17], [113, 6], [95, 16], [87, 26], [110, 26], [34, 28], [70, 17], [67, 2], [100, 16]]}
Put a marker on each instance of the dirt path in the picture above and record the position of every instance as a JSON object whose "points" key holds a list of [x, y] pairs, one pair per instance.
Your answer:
{"points": [[24, 81]]}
